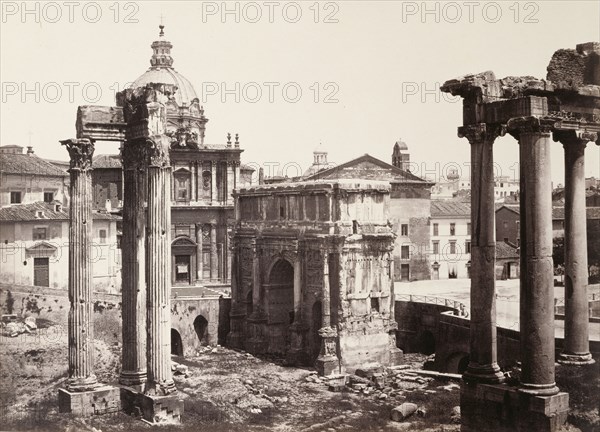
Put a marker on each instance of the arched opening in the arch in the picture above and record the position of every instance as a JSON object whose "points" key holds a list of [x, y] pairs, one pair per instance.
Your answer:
{"points": [[281, 293], [279, 296], [316, 323], [457, 363], [426, 343], [176, 343], [201, 329]]}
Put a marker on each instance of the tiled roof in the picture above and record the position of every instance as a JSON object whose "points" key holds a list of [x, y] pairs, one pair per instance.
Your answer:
{"points": [[558, 213], [13, 163], [450, 208], [106, 161], [504, 250], [29, 212]]}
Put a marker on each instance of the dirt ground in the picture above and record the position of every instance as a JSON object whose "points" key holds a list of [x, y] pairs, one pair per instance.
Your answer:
{"points": [[226, 390]]}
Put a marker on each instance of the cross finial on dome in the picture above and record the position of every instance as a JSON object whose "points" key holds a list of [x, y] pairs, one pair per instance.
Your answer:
{"points": [[162, 29]]}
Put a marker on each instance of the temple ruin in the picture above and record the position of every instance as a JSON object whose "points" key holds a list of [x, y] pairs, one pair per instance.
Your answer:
{"points": [[564, 107]]}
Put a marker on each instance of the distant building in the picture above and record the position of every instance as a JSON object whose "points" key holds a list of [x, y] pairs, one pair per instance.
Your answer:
{"points": [[26, 178], [34, 247], [453, 186], [450, 252], [507, 222]]}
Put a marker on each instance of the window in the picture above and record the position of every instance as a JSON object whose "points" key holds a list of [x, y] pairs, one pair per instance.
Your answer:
{"points": [[452, 247], [436, 229], [282, 211], [505, 225], [15, 197], [404, 229], [452, 228], [468, 228], [39, 233], [436, 247], [375, 304], [505, 239], [404, 252], [102, 235], [468, 247], [48, 197]]}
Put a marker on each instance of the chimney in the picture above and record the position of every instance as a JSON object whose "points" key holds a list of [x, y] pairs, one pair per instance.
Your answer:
{"points": [[29, 150], [261, 176]]}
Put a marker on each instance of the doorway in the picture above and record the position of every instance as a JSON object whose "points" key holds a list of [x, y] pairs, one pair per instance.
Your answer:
{"points": [[41, 272]]}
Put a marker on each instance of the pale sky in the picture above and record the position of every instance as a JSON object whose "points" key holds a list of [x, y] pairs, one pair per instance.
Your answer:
{"points": [[380, 65]]}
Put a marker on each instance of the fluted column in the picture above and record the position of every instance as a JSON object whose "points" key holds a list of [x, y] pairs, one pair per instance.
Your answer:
{"points": [[537, 280], [576, 347], [199, 257], [81, 336], [236, 178], [213, 183], [214, 262], [230, 182], [133, 273], [483, 364], [158, 258]]}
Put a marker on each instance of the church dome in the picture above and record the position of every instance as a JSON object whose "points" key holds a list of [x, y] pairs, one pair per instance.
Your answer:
{"points": [[161, 71]]}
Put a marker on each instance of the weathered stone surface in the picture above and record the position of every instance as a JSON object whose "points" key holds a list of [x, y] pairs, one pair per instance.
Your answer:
{"points": [[573, 68], [402, 412], [102, 400]]}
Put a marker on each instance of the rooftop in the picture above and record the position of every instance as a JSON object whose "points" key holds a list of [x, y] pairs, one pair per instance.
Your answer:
{"points": [[49, 211], [15, 163], [450, 208]]}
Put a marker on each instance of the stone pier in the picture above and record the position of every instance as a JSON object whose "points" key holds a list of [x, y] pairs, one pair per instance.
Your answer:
{"points": [[83, 394], [576, 348], [483, 366], [133, 371]]}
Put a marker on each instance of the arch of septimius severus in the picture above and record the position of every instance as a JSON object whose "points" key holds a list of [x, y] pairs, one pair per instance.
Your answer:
{"points": [[565, 108]]}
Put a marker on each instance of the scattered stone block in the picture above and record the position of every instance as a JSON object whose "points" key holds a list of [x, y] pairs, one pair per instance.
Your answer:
{"points": [[102, 400], [403, 411]]}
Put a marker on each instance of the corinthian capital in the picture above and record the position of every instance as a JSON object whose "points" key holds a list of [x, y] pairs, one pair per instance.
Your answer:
{"points": [[574, 137], [481, 132], [158, 151], [528, 125], [80, 153]]}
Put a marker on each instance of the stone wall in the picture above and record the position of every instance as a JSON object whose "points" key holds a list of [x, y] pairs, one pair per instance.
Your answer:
{"points": [[573, 68]]}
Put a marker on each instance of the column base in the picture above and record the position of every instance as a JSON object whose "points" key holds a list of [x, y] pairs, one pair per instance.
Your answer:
{"points": [[235, 340], [104, 399], [489, 374], [575, 359], [327, 365], [256, 346], [152, 409], [135, 380], [503, 408], [538, 389]]}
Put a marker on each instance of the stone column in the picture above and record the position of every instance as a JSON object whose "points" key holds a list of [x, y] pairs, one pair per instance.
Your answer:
{"points": [[213, 183], [230, 182], [483, 366], [193, 185], [236, 179], [214, 262], [81, 331], [133, 370], [327, 363], [537, 280], [199, 257], [576, 348], [158, 256]]}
